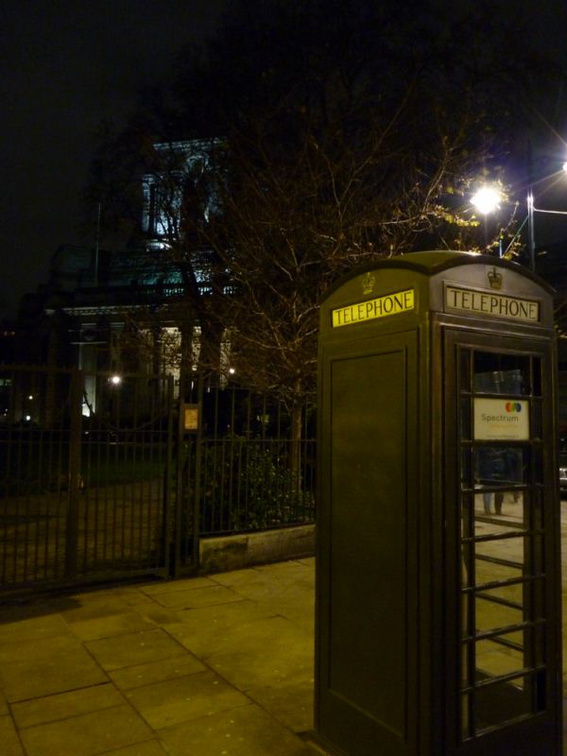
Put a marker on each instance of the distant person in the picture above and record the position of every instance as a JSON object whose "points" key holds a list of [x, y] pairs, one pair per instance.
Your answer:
{"points": [[491, 471]]}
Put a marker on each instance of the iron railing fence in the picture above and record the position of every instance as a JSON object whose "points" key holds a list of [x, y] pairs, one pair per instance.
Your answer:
{"points": [[100, 480], [35, 473], [249, 484], [256, 460], [126, 469], [82, 497], [245, 468]]}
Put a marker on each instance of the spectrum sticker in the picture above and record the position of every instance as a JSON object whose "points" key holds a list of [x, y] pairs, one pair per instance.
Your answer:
{"points": [[501, 420]]}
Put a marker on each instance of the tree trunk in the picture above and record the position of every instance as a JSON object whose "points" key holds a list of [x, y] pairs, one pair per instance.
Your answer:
{"points": [[295, 446]]}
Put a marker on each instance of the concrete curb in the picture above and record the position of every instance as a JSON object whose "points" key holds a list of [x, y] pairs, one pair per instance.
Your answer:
{"points": [[227, 553]]}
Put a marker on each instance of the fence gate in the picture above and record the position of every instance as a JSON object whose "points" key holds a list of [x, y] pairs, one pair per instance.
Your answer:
{"points": [[88, 476], [103, 478]]}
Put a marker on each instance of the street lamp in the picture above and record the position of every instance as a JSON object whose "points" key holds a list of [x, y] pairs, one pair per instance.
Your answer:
{"points": [[487, 199]]}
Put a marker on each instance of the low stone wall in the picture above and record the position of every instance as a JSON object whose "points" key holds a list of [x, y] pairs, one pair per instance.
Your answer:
{"points": [[247, 549]]}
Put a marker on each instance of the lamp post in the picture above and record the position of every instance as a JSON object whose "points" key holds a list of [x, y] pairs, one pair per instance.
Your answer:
{"points": [[531, 235], [487, 199], [531, 232]]}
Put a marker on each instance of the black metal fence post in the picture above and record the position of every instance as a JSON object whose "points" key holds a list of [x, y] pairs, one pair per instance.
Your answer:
{"points": [[170, 469], [74, 475], [197, 488]]}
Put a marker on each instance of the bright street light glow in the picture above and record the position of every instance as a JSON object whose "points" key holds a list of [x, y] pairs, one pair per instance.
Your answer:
{"points": [[116, 380], [486, 199]]}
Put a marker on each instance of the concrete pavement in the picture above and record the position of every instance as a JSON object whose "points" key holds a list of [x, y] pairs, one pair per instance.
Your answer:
{"points": [[219, 665], [204, 666]]}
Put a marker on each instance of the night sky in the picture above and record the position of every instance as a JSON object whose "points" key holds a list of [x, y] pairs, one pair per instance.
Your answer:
{"points": [[64, 66]]}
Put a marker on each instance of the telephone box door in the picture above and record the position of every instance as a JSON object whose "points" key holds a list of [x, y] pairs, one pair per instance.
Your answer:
{"points": [[501, 495]]}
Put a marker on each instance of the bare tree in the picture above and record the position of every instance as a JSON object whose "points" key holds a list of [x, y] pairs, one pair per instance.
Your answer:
{"points": [[343, 132], [351, 132]]}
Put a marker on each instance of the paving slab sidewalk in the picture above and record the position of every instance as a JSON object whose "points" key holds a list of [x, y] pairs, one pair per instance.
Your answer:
{"points": [[219, 665], [204, 666]]}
